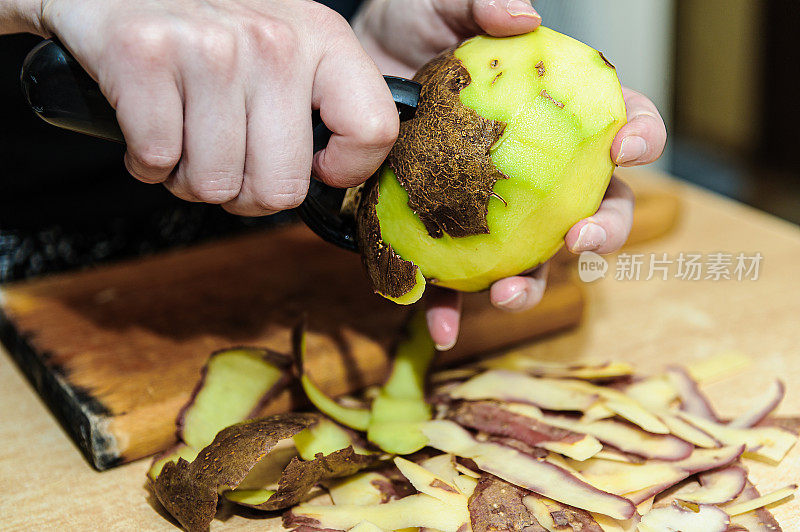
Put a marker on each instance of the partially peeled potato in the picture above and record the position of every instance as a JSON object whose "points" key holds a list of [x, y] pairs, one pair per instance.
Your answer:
{"points": [[509, 148]]}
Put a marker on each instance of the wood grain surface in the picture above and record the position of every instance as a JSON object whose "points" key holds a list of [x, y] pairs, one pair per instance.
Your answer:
{"points": [[115, 351], [650, 323]]}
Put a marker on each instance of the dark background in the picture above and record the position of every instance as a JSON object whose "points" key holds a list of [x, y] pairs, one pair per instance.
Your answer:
{"points": [[66, 200]]}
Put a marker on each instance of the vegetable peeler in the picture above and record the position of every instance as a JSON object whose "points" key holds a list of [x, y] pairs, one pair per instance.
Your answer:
{"points": [[63, 94]]}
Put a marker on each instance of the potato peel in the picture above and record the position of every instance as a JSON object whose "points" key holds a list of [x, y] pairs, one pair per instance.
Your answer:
{"points": [[693, 401], [180, 450], [639, 482], [770, 443], [551, 453], [510, 386], [418, 510], [355, 418], [521, 362], [257, 376], [760, 502], [758, 520], [362, 489], [400, 406], [189, 491], [623, 405], [656, 393], [439, 505], [497, 505], [718, 487], [300, 476], [556, 517], [675, 518], [491, 418], [518, 468], [762, 407], [623, 436]]}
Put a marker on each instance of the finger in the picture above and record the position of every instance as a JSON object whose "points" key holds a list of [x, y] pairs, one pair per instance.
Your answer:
{"points": [[278, 160], [150, 115], [356, 105], [212, 165], [607, 229], [642, 139], [443, 313], [505, 18], [521, 292], [497, 18]]}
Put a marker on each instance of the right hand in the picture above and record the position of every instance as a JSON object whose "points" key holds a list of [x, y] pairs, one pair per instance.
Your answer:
{"points": [[214, 97], [431, 27]]}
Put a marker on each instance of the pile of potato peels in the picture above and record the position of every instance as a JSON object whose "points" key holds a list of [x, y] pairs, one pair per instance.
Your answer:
{"points": [[512, 443]]}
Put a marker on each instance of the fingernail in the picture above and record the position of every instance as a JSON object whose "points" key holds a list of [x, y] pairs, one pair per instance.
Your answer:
{"points": [[592, 236], [514, 302], [448, 347], [632, 148], [520, 8]]}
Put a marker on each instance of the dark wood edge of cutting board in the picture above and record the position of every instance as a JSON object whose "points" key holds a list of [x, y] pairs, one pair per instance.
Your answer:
{"points": [[73, 408]]}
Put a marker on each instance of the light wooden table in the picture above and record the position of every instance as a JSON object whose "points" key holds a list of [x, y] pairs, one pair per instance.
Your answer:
{"points": [[48, 485]]}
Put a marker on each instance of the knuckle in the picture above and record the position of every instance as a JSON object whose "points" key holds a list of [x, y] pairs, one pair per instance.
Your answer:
{"points": [[157, 157], [144, 42], [291, 194], [379, 129], [274, 39], [215, 45], [218, 187]]}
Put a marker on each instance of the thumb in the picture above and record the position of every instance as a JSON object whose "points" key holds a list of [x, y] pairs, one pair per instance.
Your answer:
{"points": [[498, 18]]}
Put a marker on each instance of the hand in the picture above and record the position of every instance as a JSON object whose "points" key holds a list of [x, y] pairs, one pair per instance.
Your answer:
{"points": [[18, 16], [214, 97], [401, 35]]}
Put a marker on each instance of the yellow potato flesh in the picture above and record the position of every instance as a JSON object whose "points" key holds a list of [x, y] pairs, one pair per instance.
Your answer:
{"points": [[557, 159]]}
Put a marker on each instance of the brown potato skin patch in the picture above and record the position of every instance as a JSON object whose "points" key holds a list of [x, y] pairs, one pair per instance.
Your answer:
{"points": [[497, 505], [300, 476], [442, 157], [488, 417], [188, 491], [544, 94], [569, 517], [443, 485], [607, 62], [390, 275]]}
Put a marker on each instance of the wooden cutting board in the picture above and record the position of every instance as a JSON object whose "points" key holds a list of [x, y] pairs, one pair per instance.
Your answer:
{"points": [[115, 351]]}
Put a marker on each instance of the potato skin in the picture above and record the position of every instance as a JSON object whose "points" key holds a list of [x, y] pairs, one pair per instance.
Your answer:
{"points": [[497, 505], [189, 491], [441, 157], [391, 276]]}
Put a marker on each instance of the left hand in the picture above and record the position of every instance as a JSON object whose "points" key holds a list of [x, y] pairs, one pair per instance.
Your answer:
{"points": [[402, 35]]}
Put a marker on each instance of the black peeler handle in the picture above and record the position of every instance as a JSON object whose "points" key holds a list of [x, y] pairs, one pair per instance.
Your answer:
{"points": [[61, 93]]}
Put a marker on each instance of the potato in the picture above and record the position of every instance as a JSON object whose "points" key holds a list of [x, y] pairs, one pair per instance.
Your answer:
{"points": [[509, 148]]}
